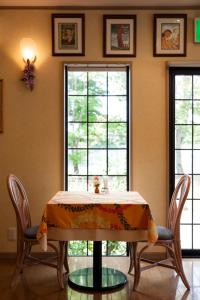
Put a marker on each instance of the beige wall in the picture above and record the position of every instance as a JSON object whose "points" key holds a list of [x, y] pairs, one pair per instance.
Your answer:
{"points": [[32, 143]]}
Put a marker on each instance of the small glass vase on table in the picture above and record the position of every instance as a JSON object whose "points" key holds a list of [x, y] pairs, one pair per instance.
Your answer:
{"points": [[105, 189]]}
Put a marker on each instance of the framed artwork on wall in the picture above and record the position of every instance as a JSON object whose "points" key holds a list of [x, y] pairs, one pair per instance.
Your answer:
{"points": [[68, 34], [119, 35], [170, 35], [1, 105]]}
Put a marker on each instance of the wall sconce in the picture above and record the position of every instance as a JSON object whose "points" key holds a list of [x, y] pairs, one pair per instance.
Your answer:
{"points": [[28, 49]]}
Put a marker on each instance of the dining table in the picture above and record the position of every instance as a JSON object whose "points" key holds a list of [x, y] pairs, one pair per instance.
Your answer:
{"points": [[115, 216]]}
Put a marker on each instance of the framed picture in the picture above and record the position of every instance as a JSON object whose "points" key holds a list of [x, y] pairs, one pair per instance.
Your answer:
{"points": [[68, 34], [170, 35], [1, 105], [119, 35]]}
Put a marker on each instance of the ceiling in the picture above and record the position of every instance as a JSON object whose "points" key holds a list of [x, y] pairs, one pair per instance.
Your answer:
{"points": [[140, 3]]}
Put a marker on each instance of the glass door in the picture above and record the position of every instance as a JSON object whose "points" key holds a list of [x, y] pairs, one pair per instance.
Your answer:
{"points": [[184, 149]]}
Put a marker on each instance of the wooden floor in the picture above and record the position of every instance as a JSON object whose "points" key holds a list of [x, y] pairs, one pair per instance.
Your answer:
{"points": [[40, 283]]}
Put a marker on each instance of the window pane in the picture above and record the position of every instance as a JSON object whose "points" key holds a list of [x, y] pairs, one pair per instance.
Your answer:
{"points": [[196, 132], [77, 135], [97, 83], [196, 235], [117, 83], [183, 113], [77, 183], [183, 161], [77, 83], [104, 247], [77, 248], [183, 87], [187, 212], [97, 109], [186, 236], [183, 137], [196, 87], [196, 112], [77, 108], [117, 183], [90, 248], [196, 161], [97, 135], [77, 162], [196, 186], [116, 162], [117, 109], [116, 248], [97, 162], [116, 135], [196, 211]]}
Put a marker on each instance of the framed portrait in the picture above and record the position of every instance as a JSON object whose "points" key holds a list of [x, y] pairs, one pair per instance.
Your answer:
{"points": [[170, 35], [68, 34], [1, 105], [119, 35]]}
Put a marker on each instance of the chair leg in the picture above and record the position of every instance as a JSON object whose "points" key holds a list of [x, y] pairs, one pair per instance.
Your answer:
{"points": [[138, 267], [136, 274], [19, 262], [133, 255], [66, 265], [130, 249], [178, 262], [60, 274], [28, 247]]}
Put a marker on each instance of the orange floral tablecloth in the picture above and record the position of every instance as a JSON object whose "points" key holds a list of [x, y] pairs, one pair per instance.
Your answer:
{"points": [[84, 210]]}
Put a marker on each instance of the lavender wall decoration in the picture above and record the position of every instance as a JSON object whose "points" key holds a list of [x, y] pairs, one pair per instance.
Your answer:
{"points": [[28, 74]]}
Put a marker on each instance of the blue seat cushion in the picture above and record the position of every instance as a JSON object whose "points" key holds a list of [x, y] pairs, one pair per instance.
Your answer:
{"points": [[164, 233], [31, 232]]}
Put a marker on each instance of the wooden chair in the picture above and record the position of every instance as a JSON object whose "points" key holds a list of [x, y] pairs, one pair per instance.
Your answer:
{"points": [[26, 234], [168, 237]]}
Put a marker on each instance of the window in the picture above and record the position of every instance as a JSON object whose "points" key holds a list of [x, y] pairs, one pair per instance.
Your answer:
{"points": [[96, 133], [184, 127]]}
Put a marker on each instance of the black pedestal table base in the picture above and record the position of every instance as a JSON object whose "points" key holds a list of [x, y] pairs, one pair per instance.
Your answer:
{"points": [[97, 278], [110, 279]]}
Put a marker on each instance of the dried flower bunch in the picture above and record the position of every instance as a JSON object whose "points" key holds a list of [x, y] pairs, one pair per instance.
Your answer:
{"points": [[28, 75], [96, 181]]}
